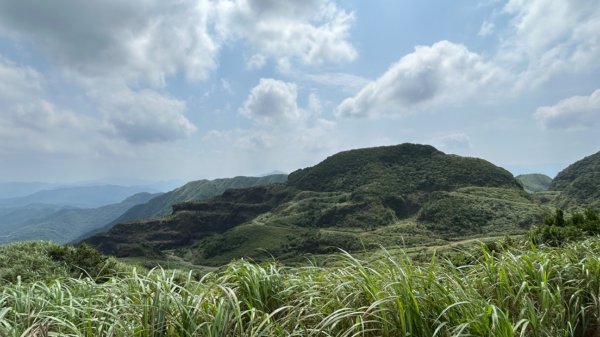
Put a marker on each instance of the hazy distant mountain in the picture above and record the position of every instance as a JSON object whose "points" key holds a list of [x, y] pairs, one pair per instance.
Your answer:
{"points": [[80, 196], [21, 189], [394, 195], [535, 182], [67, 224]]}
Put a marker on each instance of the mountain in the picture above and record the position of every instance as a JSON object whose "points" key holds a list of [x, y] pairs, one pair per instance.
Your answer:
{"points": [[534, 182], [358, 199], [195, 190], [65, 224], [81, 196], [12, 218], [579, 184], [21, 189]]}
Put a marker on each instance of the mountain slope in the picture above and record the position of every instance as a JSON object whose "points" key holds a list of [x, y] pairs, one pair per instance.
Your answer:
{"points": [[534, 182], [579, 184], [353, 200], [68, 224]]}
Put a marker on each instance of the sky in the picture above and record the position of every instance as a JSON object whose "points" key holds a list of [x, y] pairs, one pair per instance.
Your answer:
{"points": [[151, 90]]}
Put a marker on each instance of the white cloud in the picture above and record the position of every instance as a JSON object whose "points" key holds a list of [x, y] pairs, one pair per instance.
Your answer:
{"points": [[441, 73], [487, 28], [139, 40], [314, 104], [348, 82], [313, 32], [31, 123], [577, 112], [144, 116], [272, 102], [148, 41], [549, 37], [18, 83], [453, 142]]}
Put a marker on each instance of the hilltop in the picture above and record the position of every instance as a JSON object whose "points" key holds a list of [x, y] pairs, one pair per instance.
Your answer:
{"points": [[392, 195]]}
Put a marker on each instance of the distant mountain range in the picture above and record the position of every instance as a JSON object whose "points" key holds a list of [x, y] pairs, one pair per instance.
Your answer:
{"points": [[67, 224], [79, 196], [65, 215], [407, 194], [21, 189]]}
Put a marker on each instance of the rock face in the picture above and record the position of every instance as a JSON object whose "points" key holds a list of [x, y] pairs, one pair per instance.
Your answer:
{"points": [[331, 204]]}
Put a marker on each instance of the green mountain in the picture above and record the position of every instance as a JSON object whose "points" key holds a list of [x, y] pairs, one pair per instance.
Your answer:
{"points": [[67, 224], [534, 182], [162, 205], [195, 190], [393, 195], [579, 184]]}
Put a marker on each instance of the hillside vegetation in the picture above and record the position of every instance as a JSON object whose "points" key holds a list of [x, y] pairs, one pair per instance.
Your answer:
{"points": [[395, 195], [579, 184], [535, 182], [515, 292]]}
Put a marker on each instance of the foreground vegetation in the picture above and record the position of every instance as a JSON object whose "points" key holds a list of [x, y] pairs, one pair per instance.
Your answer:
{"points": [[524, 291]]}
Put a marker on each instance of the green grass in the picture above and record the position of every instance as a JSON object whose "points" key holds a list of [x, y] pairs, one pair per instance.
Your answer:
{"points": [[518, 292]]}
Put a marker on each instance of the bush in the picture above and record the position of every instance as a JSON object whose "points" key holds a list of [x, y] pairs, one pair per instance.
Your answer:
{"points": [[557, 229]]}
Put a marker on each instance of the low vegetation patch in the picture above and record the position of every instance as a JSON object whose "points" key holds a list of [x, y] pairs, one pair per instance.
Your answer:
{"points": [[517, 292]]}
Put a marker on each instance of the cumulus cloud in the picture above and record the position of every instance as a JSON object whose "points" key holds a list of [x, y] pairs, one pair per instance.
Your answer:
{"points": [[551, 36], [312, 32], [572, 113], [28, 121], [144, 116], [137, 40], [272, 102], [151, 40], [281, 125], [433, 74]]}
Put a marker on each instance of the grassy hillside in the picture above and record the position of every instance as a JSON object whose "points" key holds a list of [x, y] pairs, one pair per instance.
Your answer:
{"points": [[534, 182], [356, 200], [579, 184], [514, 292], [67, 224]]}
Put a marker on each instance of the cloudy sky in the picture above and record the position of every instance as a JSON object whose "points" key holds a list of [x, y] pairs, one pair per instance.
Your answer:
{"points": [[136, 90]]}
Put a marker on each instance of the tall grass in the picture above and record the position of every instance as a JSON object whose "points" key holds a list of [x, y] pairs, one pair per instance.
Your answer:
{"points": [[533, 292]]}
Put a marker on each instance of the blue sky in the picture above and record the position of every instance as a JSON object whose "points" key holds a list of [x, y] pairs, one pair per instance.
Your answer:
{"points": [[147, 90]]}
